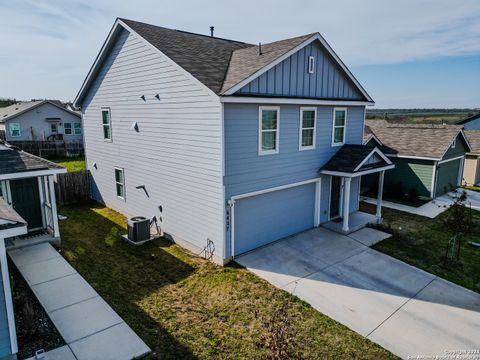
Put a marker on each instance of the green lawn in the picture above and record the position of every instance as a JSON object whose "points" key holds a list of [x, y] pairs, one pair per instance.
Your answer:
{"points": [[71, 164], [185, 307], [474, 188], [422, 242]]}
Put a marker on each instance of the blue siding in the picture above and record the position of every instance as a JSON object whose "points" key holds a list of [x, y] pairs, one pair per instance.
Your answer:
{"points": [[272, 216], [291, 78], [246, 171], [472, 125]]}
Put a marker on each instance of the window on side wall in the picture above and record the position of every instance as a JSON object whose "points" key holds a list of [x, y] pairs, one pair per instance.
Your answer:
{"points": [[67, 128], [14, 129], [311, 64], [454, 143], [77, 128], [308, 120], [268, 130], [339, 125], [120, 183], [106, 124], [54, 128]]}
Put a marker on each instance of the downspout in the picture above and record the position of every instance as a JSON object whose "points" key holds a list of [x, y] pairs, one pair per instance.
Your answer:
{"points": [[231, 203]]}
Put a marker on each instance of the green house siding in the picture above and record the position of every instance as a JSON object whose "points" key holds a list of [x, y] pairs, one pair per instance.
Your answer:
{"points": [[408, 175], [459, 150], [447, 176]]}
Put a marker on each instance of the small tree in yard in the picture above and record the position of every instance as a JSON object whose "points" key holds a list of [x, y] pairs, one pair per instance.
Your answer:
{"points": [[458, 222]]}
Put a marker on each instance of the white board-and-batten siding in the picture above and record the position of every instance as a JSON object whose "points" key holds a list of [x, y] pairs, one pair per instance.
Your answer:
{"points": [[177, 152]]}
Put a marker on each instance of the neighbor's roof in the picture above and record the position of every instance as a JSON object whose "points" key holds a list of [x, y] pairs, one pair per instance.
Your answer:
{"points": [[218, 63], [205, 57], [415, 140], [471, 118], [24, 106], [8, 217], [349, 157], [17, 161], [473, 137]]}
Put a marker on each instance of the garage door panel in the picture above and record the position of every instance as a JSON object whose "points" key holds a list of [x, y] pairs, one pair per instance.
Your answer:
{"points": [[447, 175], [264, 218]]}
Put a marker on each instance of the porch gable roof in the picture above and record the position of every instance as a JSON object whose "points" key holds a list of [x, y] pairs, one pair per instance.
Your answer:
{"points": [[353, 160]]}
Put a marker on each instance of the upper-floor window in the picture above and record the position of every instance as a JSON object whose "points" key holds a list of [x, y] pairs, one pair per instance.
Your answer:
{"points": [[339, 125], [14, 129], [268, 130], [311, 64], [107, 124], [120, 183], [77, 128], [67, 129], [454, 143], [308, 119]]}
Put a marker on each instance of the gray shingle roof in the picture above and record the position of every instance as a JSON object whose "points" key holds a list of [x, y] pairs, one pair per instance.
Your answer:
{"points": [[9, 217], [205, 57], [247, 61], [24, 106], [15, 161], [348, 157], [418, 140], [473, 137]]}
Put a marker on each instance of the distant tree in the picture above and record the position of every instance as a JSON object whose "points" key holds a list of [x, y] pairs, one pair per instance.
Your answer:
{"points": [[7, 102]]}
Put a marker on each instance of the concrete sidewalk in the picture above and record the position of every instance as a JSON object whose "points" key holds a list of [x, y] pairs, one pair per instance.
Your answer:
{"points": [[89, 326], [432, 208], [404, 309]]}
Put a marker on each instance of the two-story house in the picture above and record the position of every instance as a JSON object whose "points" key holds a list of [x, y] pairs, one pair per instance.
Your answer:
{"points": [[226, 143]]}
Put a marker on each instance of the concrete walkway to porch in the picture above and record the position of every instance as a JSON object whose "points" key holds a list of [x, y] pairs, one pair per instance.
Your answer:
{"points": [[89, 326], [404, 309]]}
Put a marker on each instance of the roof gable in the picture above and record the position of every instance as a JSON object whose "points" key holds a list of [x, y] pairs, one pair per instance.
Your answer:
{"points": [[17, 109], [291, 77], [473, 137], [415, 140]]}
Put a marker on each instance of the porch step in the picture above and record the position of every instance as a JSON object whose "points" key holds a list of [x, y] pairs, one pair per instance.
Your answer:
{"points": [[18, 243], [357, 221]]}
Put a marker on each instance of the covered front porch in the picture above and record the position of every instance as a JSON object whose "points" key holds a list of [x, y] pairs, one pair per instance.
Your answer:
{"points": [[352, 162], [27, 186]]}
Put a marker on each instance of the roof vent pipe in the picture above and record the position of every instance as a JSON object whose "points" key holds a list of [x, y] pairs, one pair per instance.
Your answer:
{"points": [[211, 30], [259, 48]]}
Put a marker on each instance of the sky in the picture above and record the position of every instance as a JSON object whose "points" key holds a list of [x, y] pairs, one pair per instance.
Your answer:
{"points": [[406, 53]]}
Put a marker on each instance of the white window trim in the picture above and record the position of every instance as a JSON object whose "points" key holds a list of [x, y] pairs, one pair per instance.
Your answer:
{"points": [[109, 124], [116, 182], [310, 147], [81, 130], [335, 109], [311, 64], [65, 129], [277, 134], [454, 143], [19, 129]]}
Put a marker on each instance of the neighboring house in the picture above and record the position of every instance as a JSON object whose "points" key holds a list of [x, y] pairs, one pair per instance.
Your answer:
{"points": [[471, 123], [40, 120], [28, 215], [428, 158], [226, 143], [471, 171]]}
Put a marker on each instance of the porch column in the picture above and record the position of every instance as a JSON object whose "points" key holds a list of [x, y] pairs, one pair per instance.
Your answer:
{"points": [[42, 201], [53, 203], [346, 203], [381, 177]]}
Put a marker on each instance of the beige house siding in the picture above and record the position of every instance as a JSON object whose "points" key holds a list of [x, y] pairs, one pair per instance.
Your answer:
{"points": [[471, 170]]}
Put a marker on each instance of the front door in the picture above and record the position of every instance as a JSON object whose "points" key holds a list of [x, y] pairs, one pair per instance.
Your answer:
{"points": [[335, 197], [26, 201]]}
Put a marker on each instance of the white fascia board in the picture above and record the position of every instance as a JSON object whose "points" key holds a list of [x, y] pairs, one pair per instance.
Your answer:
{"points": [[294, 101], [374, 151], [13, 231], [451, 159], [268, 190], [27, 174], [360, 173], [316, 36], [412, 157]]}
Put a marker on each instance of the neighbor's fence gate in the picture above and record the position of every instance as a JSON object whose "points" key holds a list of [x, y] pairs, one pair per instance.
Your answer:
{"points": [[72, 187], [51, 148]]}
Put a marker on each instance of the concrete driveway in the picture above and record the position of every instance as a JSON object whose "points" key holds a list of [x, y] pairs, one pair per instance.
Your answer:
{"points": [[404, 309]]}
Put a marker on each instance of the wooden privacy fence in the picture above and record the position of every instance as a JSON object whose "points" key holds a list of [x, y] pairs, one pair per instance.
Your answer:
{"points": [[72, 187], [51, 148]]}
